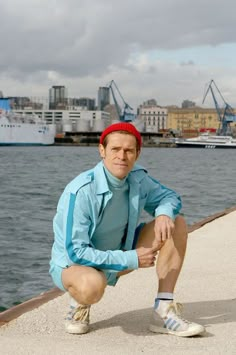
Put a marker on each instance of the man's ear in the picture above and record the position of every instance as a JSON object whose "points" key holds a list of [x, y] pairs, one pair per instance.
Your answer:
{"points": [[101, 151]]}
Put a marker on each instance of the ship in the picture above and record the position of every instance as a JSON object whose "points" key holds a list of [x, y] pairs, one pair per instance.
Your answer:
{"points": [[207, 141], [224, 138], [23, 130]]}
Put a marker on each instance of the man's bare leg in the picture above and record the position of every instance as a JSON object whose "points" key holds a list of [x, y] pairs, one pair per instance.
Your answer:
{"points": [[166, 316], [171, 253], [86, 286]]}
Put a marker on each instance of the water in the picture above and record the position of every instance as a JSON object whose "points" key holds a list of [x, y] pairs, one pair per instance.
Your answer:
{"points": [[32, 179]]}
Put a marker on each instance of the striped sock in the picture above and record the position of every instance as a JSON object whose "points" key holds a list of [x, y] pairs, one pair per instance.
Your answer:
{"points": [[163, 296]]}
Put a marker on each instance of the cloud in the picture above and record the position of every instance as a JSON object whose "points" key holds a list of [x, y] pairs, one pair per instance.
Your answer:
{"points": [[187, 63], [84, 44]]}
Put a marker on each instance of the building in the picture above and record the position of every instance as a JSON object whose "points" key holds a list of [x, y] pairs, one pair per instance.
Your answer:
{"points": [[188, 104], [72, 120], [86, 103], [154, 117], [150, 102], [24, 102], [58, 97], [191, 121], [103, 97], [82, 103], [111, 109]]}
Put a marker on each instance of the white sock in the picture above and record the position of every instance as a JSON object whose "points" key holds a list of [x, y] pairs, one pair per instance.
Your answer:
{"points": [[72, 302], [168, 296], [162, 299]]}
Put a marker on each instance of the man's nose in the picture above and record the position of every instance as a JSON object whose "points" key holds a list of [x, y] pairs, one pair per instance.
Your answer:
{"points": [[121, 154]]}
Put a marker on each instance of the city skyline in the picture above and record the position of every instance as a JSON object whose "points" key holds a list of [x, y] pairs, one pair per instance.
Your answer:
{"points": [[100, 102], [168, 51], [27, 100]]}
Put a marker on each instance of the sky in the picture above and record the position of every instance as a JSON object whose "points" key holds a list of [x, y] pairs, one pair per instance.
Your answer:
{"points": [[153, 49]]}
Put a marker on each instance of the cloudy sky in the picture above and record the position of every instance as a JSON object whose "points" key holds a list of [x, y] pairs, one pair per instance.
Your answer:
{"points": [[163, 49]]}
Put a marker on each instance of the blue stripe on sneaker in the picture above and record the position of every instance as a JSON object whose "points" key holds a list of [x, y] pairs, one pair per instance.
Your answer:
{"points": [[172, 324], [169, 320], [176, 327]]}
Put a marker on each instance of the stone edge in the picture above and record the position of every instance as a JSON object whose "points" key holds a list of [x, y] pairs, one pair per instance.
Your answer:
{"points": [[16, 311]]}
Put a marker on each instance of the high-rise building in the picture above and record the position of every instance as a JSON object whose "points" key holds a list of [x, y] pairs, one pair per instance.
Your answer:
{"points": [[85, 102], [188, 104], [58, 97], [111, 109], [103, 97], [24, 103]]}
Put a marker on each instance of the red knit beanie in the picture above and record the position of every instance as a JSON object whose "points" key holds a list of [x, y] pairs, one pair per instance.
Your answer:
{"points": [[122, 126]]}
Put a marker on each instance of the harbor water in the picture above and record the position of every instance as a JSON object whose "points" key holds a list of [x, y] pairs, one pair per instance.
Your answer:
{"points": [[32, 179]]}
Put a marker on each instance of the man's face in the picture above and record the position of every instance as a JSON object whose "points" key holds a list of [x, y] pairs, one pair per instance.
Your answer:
{"points": [[120, 153]]}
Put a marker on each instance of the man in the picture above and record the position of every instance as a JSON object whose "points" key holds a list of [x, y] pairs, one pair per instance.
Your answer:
{"points": [[98, 238]]}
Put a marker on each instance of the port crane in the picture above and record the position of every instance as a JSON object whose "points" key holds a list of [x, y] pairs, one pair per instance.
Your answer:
{"points": [[125, 113], [225, 115]]}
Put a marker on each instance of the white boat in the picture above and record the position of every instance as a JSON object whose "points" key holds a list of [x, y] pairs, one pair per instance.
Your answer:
{"points": [[24, 130], [207, 141]]}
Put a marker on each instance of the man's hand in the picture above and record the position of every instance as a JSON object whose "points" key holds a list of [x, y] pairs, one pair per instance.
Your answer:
{"points": [[146, 256], [164, 229]]}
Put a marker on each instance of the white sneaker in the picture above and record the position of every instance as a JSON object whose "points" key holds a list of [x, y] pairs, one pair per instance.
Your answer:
{"points": [[77, 320], [167, 319]]}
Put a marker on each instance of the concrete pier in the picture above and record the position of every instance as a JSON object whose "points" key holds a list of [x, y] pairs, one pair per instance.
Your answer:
{"points": [[119, 323]]}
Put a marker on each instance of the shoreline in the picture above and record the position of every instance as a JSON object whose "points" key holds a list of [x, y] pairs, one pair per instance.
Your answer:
{"points": [[144, 145]]}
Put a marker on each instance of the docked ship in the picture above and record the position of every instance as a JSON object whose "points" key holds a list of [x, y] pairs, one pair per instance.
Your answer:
{"points": [[23, 130], [207, 141]]}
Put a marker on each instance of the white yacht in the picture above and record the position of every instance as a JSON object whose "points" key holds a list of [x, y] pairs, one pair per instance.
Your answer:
{"points": [[207, 141]]}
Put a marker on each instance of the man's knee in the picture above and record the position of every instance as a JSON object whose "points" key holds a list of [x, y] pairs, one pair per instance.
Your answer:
{"points": [[180, 235], [87, 285], [92, 286], [181, 226]]}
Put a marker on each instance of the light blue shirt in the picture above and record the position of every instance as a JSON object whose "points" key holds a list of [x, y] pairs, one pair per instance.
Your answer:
{"points": [[80, 211]]}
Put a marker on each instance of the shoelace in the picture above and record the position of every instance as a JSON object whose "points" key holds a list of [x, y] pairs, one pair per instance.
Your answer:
{"points": [[176, 308], [82, 313]]}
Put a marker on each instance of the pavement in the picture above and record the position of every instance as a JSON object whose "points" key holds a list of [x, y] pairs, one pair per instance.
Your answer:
{"points": [[119, 322]]}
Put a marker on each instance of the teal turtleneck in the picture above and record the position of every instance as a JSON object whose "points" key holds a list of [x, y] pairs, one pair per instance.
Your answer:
{"points": [[110, 231], [113, 181]]}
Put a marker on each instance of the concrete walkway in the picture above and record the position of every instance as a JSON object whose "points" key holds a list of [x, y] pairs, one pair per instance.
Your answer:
{"points": [[207, 289]]}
